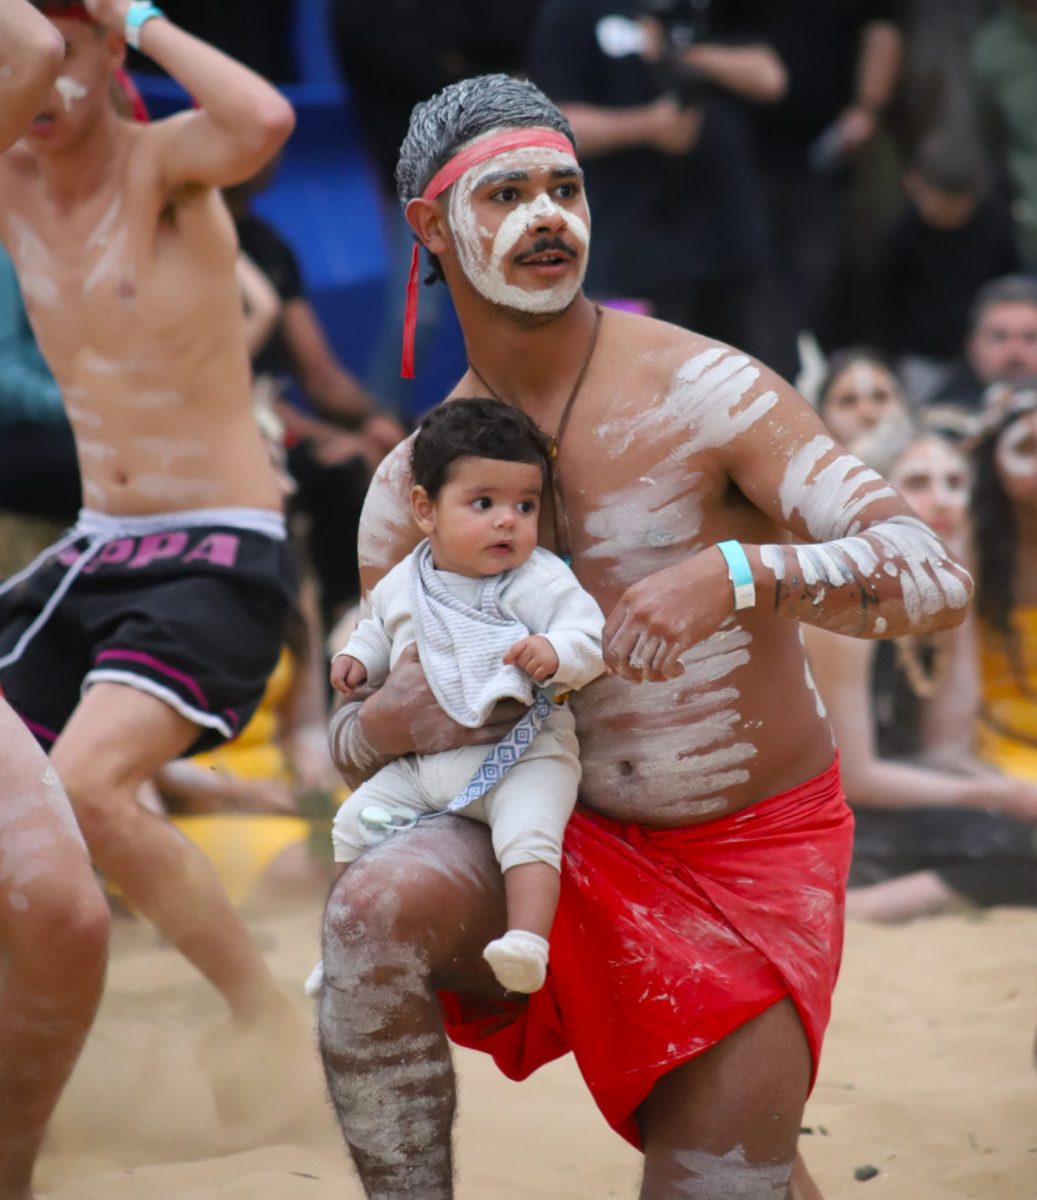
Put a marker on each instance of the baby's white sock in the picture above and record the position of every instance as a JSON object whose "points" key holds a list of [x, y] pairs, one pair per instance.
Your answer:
{"points": [[315, 980], [519, 960]]}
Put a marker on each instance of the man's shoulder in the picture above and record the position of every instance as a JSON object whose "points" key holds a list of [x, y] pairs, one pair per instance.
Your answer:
{"points": [[665, 353]]}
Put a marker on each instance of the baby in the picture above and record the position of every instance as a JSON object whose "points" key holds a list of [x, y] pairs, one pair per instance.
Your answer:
{"points": [[493, 616]]}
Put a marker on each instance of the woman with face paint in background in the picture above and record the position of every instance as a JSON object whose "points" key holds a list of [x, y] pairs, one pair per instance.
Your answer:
{"points": [[53, 918], [863, 403], [934, 827]]}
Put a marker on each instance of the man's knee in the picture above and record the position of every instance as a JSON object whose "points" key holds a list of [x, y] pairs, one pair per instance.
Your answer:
{"points": [[59, 925], [98, 789], [375, 913]]}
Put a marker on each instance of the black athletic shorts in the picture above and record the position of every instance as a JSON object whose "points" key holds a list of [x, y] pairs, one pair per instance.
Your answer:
{"points": [[191, 607]]}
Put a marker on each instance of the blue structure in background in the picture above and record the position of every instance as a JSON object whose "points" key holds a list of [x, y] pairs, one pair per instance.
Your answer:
{"points": [[325, 202]]}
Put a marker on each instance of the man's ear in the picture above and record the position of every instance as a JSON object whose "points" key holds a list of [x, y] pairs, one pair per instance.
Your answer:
{"points": [[115, 49], [423, 509], [428, 223]]}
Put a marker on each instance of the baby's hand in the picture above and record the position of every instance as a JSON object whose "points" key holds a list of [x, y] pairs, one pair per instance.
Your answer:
{"points": [[535, 655], [347, 674]]}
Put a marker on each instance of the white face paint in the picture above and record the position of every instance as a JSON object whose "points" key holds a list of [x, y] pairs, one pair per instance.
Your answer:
{"points": [[934, 479], [70, 90], [1016, 452], [485, 269]]}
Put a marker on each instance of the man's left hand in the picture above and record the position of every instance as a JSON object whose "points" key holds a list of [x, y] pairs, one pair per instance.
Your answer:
{"points": [[663, 615]]}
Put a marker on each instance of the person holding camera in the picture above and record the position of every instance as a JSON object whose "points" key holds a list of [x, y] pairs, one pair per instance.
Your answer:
{"points": [[658, 93]]}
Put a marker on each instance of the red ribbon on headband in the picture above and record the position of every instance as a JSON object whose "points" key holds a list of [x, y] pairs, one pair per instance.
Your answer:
{"points": [[486, 148]]}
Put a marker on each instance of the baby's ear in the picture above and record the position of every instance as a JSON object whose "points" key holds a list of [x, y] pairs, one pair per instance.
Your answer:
{"points": [[423, 509]]}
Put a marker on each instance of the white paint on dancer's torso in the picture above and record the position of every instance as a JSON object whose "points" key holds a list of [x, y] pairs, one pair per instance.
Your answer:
{"points": [[146, 401], [70, 90], [98, 364], [819, 704], [704, 409], [1016, 451], [485, 271], [174, 490], [703, 1175], [94, 496], [170, 450], [695, 733], [652, 514], [95, 452], [706, 406], [85, 418], [880, 625], [36, 266]]}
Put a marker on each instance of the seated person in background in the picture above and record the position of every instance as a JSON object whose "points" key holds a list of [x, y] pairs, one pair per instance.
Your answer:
{"points": [[1004, 509], [39, 472], [1000, 344], [862, 402], [952, 237], [332, 450], [491, 615], [260, 806], [934, 827]]}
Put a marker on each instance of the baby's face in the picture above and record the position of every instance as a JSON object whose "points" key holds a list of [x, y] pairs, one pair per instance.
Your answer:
{"points": [[484, 520]]}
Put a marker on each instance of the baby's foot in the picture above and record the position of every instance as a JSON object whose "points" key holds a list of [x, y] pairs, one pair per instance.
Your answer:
{"points": [[519, 960], [315, 980]]}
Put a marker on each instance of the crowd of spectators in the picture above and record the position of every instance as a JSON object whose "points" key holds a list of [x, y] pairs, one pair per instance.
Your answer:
{"points": [[790, 178]]}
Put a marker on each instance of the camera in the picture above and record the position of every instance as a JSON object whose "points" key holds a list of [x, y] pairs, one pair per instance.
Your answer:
{"points": [[683, 23]]}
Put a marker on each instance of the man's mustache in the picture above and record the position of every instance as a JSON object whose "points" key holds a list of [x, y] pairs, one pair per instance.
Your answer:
{"points": [[543, 245]]}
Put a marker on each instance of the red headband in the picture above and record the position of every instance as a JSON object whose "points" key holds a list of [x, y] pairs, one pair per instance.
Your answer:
{"points": [[480, 151]]}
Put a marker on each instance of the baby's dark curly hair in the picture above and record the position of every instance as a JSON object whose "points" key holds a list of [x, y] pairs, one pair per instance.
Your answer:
{"points": [[475, 427]]}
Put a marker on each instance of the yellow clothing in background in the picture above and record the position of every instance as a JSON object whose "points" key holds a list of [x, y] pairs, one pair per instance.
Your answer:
{"points": [[1006, 728]]}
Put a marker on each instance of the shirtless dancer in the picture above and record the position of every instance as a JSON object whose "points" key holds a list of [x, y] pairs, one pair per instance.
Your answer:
{"points": [[179, 581], [53, 918], [700, 924]]}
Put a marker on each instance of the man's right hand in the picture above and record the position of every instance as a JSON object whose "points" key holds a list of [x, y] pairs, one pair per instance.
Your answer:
{"points": [[669, 128], [404, 717]]}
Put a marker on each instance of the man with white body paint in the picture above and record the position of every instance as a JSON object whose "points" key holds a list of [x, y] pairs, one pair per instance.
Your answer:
{"points": [[53, 918], [174, 591], [699, 930]]}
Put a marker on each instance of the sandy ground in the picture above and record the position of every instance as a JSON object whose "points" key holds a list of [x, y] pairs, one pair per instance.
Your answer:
{"points": [[926, 1076]]}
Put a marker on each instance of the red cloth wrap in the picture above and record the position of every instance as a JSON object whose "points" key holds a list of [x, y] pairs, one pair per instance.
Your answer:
{"points": [[485, 148], [668, 940]]}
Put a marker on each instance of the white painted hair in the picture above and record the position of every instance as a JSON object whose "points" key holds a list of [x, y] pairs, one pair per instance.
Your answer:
{"points": [[463, 111]]}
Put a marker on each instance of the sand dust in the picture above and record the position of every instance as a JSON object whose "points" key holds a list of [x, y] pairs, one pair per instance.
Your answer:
{"points": [[926, 1076]]}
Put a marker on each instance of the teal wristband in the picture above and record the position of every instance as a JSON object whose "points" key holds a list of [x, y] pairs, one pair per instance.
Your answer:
{"points": [[138, 15], [740, 574]]}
